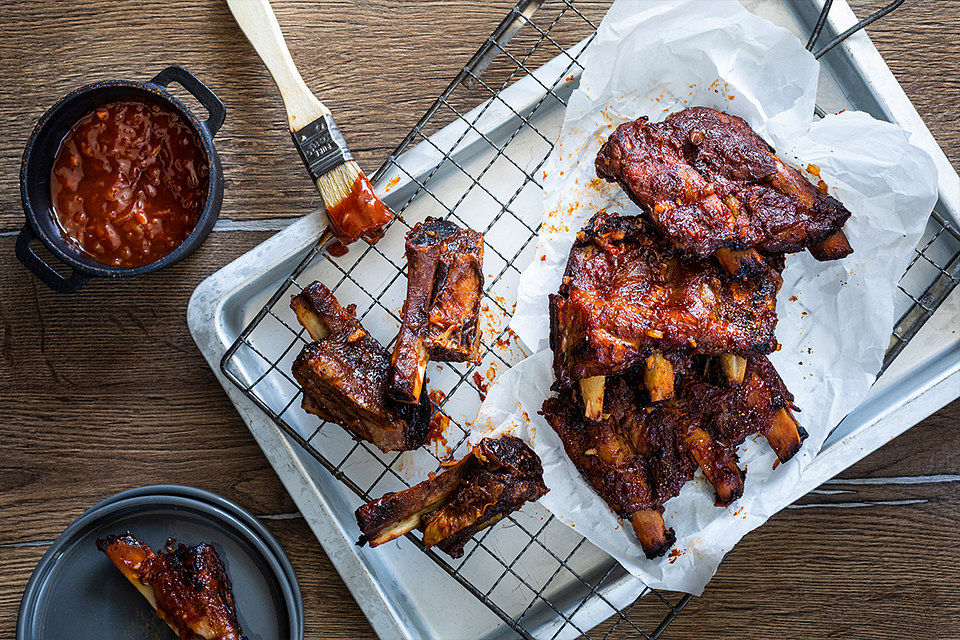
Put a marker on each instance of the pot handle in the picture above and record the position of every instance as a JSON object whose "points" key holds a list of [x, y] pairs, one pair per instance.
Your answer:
{"points": [[41, 269], [198, 90]]}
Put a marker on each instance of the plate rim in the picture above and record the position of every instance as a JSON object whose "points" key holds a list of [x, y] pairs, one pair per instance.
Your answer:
{"points": [[225, 512]]}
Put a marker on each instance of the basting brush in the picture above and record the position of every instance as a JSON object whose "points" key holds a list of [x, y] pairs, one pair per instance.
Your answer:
{"points": [[352, 206]]}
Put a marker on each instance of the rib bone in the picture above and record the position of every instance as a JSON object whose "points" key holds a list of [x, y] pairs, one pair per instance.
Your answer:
{"points": [[653, 534], [410, 355], [658, 377], [784, 434], [740, 264], [720, 470], [734, 368], [591, 389], [834, 247]]}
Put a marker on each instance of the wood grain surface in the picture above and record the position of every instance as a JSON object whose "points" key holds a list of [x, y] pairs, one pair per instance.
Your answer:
{"points": [[104, 390]]}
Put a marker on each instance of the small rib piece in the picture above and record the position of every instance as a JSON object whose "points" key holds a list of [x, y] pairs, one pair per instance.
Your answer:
{"points": [[653, 534], [344, 375], [496, 478], [442, 308], [187, 586]]}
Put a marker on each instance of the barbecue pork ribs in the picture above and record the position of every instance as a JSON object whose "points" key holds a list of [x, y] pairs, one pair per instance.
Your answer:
{"points": [[639, 455], [709, 183], [187, 586], [628, 298], [496, 478], [345, 372], [441, 312]]}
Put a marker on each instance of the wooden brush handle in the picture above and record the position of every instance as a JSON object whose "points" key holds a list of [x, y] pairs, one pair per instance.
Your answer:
{"points": [[259, 24]]}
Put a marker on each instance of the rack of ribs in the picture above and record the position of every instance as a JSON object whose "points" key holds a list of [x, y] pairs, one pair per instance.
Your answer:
{"points": [[496, 478], [442, 308], [638, 455], [344, 373], [629, 299], [711, 184], [187, 586]]}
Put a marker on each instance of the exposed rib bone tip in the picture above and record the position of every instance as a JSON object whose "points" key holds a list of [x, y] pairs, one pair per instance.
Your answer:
{"points": [[591, 389]]}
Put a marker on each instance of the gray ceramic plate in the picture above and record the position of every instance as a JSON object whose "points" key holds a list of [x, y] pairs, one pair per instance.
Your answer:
{"points": [[75, 592]]}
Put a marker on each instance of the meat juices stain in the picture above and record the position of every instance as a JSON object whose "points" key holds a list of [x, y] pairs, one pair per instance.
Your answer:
{"points": [[439, 422], [504, 341], [437, 431], [393, 182], [481, 384], [674, 554], [792, 298], [597, 184]]}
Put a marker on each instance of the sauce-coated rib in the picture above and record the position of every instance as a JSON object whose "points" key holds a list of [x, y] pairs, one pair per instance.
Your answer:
{"points": [[626, 294], [187, 586], [496, 478], [640, 454], [344, 375], [440, 317], [708, 182]]}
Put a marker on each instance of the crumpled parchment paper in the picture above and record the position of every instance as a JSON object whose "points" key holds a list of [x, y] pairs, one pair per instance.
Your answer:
{"points": [[653, 58]]}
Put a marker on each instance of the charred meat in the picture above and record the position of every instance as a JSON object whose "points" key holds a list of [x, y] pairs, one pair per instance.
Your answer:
{"points": [[344, 373], [639, 455], [496, 478], [442, 308], [627, 298], [187, 586], [709, 182]]}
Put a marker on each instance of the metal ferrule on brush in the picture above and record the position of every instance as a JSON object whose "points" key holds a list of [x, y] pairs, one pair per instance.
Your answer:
{"points": [[321, 146]]}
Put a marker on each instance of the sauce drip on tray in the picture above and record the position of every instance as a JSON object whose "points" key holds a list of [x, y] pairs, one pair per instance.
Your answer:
{"points": [[129, 183]]}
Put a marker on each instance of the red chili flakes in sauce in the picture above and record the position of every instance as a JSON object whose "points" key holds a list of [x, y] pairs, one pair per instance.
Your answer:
{"points": [[129, 183]]}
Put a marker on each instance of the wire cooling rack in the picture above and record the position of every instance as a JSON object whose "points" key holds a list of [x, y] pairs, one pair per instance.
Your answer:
{"points": [[533, 572]]}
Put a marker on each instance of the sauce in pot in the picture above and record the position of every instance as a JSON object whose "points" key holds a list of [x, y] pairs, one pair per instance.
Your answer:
{"points": [[129, 183]]}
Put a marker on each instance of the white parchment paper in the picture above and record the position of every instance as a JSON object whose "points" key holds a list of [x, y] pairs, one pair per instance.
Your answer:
{"points": [[653, 58]]}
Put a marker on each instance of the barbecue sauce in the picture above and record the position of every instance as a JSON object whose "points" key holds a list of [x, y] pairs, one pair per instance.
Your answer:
{"points": [[129, 183], [360, 213]]}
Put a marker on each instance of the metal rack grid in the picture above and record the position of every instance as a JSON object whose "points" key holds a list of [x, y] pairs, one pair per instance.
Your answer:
{"points": [[519, 44]]}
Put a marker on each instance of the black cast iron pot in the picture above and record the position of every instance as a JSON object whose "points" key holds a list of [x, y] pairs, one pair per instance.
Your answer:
{"points": [[41, 152]]}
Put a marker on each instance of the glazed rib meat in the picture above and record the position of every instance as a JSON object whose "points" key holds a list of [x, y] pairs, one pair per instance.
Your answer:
{"points": [[627, 297], [187, 586], [639, 455], [344, 373], [441, 312], [709, 182], [496, 478]]}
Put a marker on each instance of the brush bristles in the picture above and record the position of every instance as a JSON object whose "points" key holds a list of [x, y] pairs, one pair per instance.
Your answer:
{"points": [[336, 184]]}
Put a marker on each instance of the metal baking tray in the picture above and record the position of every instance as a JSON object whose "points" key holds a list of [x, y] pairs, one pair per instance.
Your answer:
{"points": [[530, 576]]}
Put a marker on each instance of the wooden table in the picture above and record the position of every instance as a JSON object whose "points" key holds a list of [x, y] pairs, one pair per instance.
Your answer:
{"points": [[104, 390]]}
